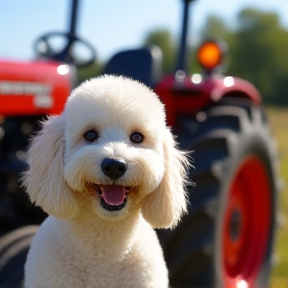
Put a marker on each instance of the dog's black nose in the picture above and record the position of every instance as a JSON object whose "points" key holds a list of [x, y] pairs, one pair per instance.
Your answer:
{"points": [[113, 168]]}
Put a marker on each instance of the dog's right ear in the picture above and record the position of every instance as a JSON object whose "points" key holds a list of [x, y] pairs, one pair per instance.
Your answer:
{"points": [[44, 179]]}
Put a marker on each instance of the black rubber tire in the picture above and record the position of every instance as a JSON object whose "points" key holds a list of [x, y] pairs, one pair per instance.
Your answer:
{"points": [[14, 247], [220, 136]]}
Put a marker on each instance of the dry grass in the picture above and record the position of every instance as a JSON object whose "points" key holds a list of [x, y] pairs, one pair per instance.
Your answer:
{"points": [[279, 124]]}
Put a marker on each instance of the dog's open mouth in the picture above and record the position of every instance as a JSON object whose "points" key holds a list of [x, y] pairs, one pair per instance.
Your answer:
{"points": [[112, 197]]}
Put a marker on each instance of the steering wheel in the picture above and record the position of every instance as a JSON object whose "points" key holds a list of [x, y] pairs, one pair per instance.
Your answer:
{"points": [[66, 48]]}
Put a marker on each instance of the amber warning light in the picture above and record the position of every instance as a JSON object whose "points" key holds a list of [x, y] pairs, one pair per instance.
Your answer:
{"points": [[210, 54]]}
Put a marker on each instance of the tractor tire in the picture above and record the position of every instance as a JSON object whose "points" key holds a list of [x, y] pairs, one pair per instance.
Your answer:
{"points": [[226, 239], [14, 247]]}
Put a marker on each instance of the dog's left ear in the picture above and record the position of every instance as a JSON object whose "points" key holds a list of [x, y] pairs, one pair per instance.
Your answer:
{"points": [[164, 207]]}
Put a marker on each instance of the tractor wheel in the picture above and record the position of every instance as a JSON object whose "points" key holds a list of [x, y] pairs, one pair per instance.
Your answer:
{"points": [[14, 247], [226, 240]]}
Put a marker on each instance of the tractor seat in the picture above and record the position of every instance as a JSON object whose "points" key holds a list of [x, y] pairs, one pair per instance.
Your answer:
{"points": [[142, 64]]}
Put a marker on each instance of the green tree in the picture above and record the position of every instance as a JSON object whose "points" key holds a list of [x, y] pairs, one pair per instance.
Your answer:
{"points": [[214, 27], [90, 71], [258, 47], [258, 52], [163, 39]]}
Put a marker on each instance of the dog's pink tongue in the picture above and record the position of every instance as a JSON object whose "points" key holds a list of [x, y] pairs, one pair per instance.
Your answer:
{"points": [[113, 194]]}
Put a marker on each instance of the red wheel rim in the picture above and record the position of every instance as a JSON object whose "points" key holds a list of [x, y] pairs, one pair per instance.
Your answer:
{"points": [[246, 224]]}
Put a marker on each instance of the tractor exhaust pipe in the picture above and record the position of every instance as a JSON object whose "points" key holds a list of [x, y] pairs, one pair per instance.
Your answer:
{"points": [[183, 48]]}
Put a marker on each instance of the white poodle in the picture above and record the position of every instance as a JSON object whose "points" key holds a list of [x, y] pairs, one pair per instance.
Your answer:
{"points": [[106, 170]]}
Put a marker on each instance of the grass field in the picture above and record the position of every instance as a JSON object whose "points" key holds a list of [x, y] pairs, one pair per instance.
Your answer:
{"points": [[279, 124]]}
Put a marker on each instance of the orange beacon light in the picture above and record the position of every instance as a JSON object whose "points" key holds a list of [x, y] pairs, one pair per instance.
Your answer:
{"points": [[210, 54]]}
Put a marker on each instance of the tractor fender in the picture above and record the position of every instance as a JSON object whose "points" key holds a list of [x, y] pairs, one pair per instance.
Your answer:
{"points": [[187, 97], [228, 85]]}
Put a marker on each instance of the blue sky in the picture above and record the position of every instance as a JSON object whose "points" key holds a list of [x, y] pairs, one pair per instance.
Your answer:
{"points": [[111, 25]]}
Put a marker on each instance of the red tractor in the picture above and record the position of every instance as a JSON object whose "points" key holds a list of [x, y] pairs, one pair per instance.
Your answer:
{"points": [[227, 238]]}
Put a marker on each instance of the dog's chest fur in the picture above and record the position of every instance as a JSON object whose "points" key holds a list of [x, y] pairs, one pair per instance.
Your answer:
{"points": [[96, 258]]}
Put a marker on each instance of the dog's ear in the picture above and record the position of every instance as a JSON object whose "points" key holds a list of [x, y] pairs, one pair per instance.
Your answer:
{"points": [[44, 178], [164, 207]]}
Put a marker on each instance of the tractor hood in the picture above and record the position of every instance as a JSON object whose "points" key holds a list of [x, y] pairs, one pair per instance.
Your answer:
{"points": [[34, 88]]}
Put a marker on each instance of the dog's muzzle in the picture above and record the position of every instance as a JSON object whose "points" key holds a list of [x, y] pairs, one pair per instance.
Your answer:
{"points": [[112, 197]]}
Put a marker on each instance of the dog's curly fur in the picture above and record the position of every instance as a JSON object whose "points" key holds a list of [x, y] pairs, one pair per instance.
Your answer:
{"points": [[81, 244]]}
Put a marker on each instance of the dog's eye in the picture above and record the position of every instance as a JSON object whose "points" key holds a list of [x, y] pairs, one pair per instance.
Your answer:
{"points": [[136, 137], [91, 135]]}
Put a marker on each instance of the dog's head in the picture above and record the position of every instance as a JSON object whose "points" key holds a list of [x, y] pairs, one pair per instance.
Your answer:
{"points": [[111, 153]]}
